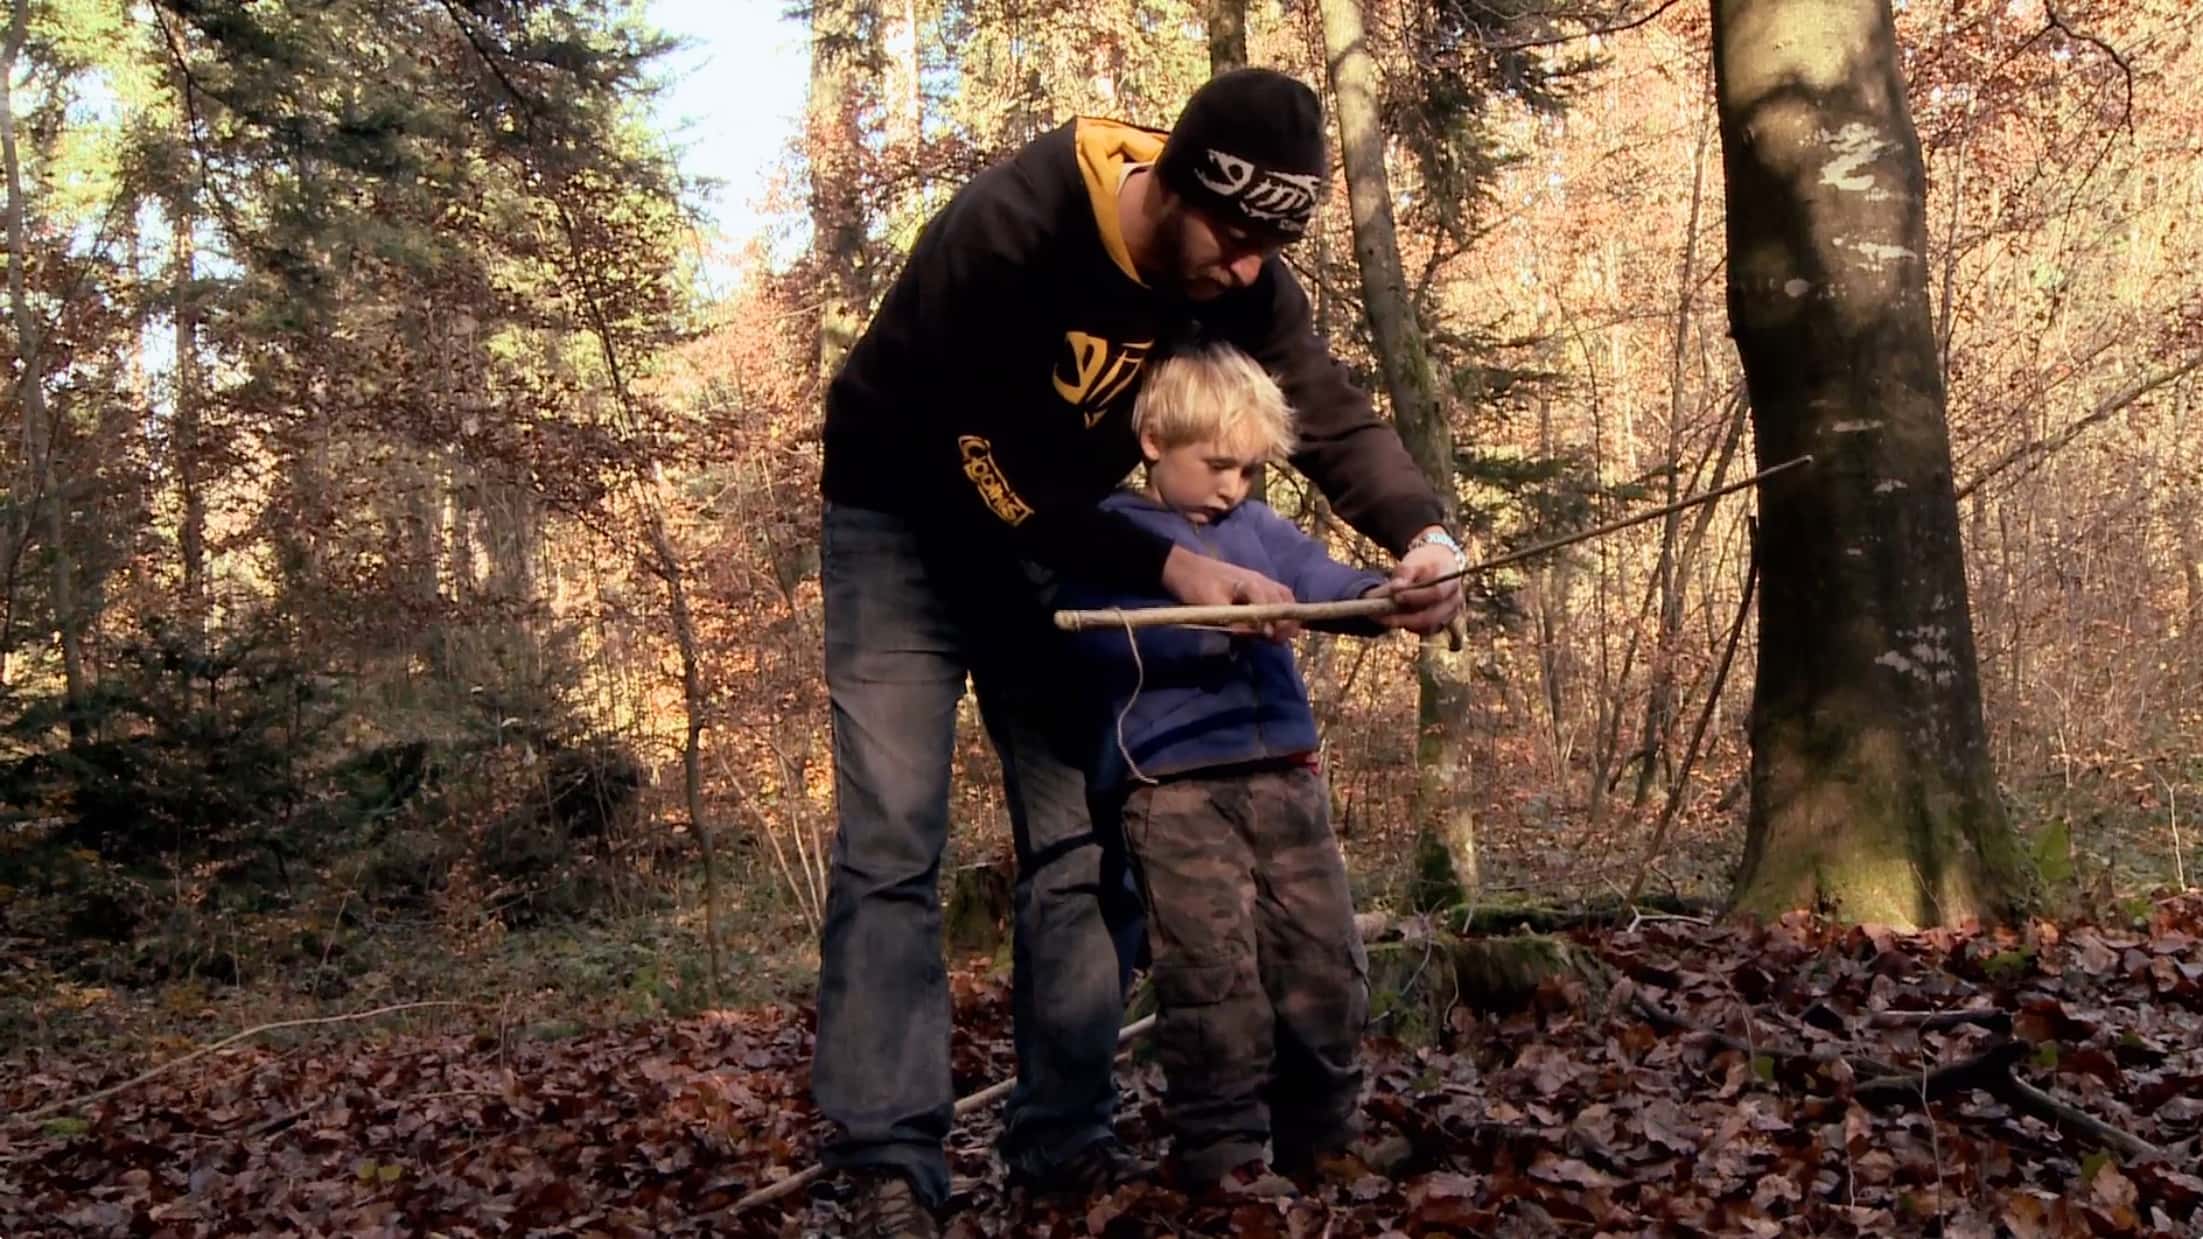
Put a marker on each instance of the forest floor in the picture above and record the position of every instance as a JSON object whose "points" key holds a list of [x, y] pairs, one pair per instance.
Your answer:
{"points": [[1789, 1079]]}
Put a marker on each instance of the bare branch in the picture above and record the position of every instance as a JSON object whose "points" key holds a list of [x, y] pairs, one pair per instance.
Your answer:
{"points": [[1614, 28], [2126, 69], [2033, 452]]}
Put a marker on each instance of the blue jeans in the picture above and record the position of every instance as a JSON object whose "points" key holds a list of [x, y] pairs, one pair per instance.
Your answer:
{"points": [[908, 615]]}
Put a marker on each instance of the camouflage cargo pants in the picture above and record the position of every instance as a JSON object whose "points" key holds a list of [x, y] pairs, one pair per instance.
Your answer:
{"points": [[1257, 966]]}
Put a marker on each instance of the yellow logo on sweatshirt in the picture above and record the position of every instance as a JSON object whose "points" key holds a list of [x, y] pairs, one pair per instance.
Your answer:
{"points": [[1093, 372], [986, 476]]}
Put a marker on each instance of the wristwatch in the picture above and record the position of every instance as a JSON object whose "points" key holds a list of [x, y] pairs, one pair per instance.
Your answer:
{"points": [[1437, 535]]}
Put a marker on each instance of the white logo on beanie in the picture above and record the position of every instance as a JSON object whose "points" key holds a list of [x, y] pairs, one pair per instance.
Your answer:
{"points": [[1279, 199]]}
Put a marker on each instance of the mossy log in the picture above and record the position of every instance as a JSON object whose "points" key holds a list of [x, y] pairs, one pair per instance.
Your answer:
{"points": [[975, 917], [1495, 917], [1417, 986]]}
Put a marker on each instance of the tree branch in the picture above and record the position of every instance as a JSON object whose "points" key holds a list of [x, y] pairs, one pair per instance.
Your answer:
{"points": [[2058, 23], [1615, 28], [528, 105], [77, 1102], [2073, 1120], [2035, 451]]}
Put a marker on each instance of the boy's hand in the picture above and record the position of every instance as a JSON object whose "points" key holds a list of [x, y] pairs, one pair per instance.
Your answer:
{"points": [[1199, 581], [1425, 609]]}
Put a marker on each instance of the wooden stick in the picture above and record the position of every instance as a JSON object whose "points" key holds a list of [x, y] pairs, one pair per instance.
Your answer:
{"points": [[1234, 613], [1358, 608], [1992, 1018], [1988, 1071], [810, 1174], [2075, 1121], [225, 1042]]}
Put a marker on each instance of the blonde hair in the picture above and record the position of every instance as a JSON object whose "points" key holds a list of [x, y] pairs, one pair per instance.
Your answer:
{"points": [[1215, 394]]}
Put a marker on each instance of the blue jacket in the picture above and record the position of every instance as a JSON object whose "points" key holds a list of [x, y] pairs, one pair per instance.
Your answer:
{"points": [[1205, 698]]}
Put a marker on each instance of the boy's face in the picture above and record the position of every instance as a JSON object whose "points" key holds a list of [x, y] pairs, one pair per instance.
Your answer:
{"points": [[1203, 480]]}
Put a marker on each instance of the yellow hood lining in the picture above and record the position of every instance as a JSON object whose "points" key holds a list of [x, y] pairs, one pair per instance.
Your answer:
{"points": [[1106, 148]]}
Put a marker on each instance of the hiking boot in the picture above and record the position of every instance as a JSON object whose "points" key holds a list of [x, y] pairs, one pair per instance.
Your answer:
{"points": [[888, 1207], [1091, 1171]]}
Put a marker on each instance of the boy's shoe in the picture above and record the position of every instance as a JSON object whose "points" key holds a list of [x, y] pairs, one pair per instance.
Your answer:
{"points": [[1091, 1171], [1253, 1180], [888, 1207], [1314, 1172]]}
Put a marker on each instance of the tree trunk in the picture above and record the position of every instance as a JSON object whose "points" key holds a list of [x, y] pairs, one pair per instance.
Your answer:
{"points": [[667, 564], [39, 433], [2191, 542], [1873, 793], [2191, 575], [835, 144], [1669, 573], [184, 447], [1227, 29], [1446, 832], [1227, 26]]}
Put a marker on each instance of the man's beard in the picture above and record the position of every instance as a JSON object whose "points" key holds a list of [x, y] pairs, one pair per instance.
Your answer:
{"points": [[1174, 274]]}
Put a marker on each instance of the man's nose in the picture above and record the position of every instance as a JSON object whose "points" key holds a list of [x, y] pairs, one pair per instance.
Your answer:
{"points": [[1244, 269]]}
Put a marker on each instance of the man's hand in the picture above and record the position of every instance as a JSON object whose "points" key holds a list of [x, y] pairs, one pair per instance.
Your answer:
{"points": [[1199, 581], [1424, 609]]}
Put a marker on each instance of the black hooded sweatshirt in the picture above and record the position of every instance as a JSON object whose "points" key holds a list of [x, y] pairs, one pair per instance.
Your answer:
{"points": [[991, 395]]}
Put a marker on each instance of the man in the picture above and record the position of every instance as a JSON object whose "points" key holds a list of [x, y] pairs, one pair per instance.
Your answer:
{"points": [[969, 439]]}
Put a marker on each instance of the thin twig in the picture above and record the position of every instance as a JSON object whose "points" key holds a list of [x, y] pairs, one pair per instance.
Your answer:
{"points": [[2030, 455], [1935, 1137], [2172, 813], [799, 891], [810, 1174], [813, 858], [1551, 40], [2126, 70], [1674, 805], [103, 1094], [1643, 918]]}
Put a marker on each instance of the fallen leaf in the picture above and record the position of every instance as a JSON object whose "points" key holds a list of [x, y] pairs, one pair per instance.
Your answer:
{"points": [[1571, 1170]]}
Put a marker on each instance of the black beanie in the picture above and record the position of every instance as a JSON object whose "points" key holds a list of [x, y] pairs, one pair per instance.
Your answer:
{"points": [[1250, 147]]}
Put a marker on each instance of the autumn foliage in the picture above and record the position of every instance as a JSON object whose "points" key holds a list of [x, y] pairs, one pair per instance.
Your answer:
{"points": [[376, 392]]}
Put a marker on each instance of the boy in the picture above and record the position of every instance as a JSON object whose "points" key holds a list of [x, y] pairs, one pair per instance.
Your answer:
{"points": [[1210, 749]]}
